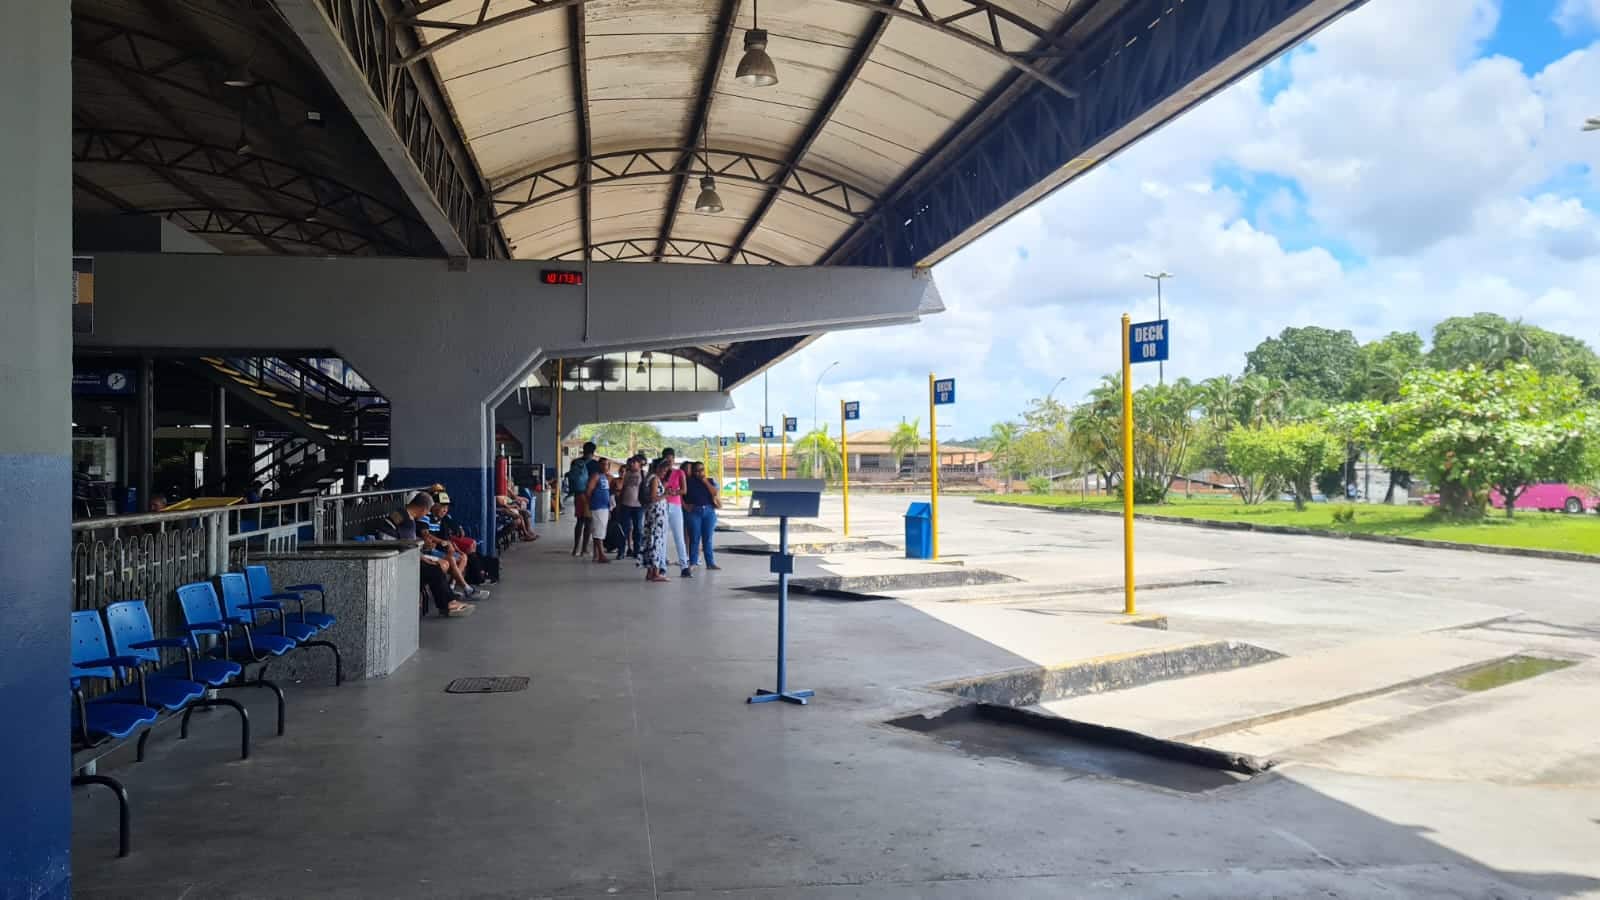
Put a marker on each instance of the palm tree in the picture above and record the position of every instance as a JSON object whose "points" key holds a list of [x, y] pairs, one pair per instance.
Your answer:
{"points": [[905, 442], [1002, 442], [818, 453]]}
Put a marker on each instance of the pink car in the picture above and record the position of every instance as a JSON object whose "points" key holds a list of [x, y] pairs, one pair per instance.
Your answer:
{"points": [[1572, 498]]}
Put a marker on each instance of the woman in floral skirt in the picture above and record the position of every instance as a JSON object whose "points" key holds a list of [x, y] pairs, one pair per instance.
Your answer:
{"points": [[653, 495]]}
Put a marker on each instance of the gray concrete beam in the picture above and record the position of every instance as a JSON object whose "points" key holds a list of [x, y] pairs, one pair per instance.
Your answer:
{"points": [[446, 347]]}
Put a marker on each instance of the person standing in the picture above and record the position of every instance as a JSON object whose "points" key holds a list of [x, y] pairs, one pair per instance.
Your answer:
{"points": [[577, 485], [677, 481], [654, 549], [630, 510], [700, 504], [598, 496]]}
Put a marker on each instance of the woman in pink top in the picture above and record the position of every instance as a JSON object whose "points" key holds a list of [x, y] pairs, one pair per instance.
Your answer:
{"points": [[677, 483]]}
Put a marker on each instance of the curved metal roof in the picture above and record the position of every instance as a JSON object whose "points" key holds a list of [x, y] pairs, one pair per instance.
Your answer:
{"points": [[629, 91]]}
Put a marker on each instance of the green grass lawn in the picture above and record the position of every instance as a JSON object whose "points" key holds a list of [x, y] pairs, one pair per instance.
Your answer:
{"points": [[1535, 530]]}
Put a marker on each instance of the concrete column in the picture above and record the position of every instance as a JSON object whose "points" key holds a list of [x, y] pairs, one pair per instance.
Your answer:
{"points": [[35, 442], [217, 460], [145, 432]]}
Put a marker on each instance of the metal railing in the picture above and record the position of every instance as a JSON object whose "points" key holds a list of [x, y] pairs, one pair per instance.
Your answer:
{"points": [[146, 557]]}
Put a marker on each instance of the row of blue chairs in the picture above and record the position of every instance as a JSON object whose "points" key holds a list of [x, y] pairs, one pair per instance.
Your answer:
{"points": [[124, 652]]}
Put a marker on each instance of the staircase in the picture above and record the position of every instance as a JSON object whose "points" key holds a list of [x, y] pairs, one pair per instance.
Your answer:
{"points": [[327, 424]]}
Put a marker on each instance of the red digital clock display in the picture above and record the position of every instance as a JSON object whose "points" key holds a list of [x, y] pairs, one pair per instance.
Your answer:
{"points": [[556, 276]]}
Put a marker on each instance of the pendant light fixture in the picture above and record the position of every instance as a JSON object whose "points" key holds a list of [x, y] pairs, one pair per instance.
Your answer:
{"points": [[755, 67], [709, 200]]}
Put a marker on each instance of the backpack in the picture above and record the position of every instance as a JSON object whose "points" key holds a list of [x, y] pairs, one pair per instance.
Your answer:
{"points": [[578, 477]]}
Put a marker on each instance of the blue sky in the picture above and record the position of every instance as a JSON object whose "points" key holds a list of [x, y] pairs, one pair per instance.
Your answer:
{"points": [[1418, 159]]}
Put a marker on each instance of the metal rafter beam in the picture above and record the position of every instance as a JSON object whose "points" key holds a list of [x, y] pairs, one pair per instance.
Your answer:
{"points": [[400, 112], [105, 196], [142, 153], [309, 193], [819, 120], [578, 38], [778, 175], [137, 56], [330, 239], [980, 24], [1148, 63], [722, 36], [216, 162], [414, 15], [645, 248]]}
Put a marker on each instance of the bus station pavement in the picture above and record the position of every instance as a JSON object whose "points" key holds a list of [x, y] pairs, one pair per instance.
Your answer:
{"points": [[632, 767]]}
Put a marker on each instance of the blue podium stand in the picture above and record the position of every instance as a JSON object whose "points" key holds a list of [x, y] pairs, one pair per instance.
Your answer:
{"points": [[783, 500]]}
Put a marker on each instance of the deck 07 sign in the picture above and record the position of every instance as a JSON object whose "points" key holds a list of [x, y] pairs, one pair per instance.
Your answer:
{"points": [[1147, 341], [852, 410], [944, 391]]}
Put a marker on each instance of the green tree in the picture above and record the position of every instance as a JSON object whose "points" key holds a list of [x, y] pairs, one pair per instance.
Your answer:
{"points": [[818, 454], [618, 440], [1494, 342], [1382, 364], [905, 441], [1469, 431], [1314, 362], [1033, 454], [1291, 455], [1164, 428], [1002, 443]]}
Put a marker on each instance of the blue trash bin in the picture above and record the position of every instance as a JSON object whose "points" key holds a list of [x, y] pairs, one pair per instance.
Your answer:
{"points": [[919, 531]]}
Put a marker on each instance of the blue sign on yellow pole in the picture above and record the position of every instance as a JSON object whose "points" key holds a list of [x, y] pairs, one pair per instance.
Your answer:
{"points": [[852, 410], [1147, 342], [944, 391]]}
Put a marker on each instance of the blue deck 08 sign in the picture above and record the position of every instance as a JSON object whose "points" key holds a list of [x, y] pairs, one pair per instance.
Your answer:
{"points": [[1147, 341], [852, 410], [767, 432], [944, 391]]}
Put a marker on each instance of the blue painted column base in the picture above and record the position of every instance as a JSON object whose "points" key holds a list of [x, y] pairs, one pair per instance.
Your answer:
{"points": [[468, 487]]}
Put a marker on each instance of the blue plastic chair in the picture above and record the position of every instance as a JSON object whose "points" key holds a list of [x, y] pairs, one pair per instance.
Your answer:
{"points": [[260, 581], [202, 615], [97, 723], [237, 603], [132, 634]]}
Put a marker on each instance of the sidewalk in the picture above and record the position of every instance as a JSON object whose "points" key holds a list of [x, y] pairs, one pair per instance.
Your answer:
{"points": [[632, 767]]}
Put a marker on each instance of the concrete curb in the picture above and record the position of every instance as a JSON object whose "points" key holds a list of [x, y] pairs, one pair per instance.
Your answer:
{"points": [[1563, 555]]}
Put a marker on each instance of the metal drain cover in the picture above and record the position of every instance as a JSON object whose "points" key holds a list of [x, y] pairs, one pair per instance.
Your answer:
{"points": [[488, 685]]}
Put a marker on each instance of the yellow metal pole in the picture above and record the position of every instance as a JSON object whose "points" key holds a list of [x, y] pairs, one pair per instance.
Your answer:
{"points": [[705, 453], [555, 488], [844, 457], [763, 452], [736, 492], [783, 448], [1127, 470], [933, 461]]}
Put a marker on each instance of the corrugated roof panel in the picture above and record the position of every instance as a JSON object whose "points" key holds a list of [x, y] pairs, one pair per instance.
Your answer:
{"points": [[645, 62]]}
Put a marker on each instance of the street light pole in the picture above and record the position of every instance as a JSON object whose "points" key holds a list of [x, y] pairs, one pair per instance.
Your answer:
{"points": [[1158, 277], [816, 450]]}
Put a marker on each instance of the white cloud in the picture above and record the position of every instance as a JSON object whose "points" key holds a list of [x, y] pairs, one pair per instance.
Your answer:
{"points": [[1461, 183], [1575, 15]]}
